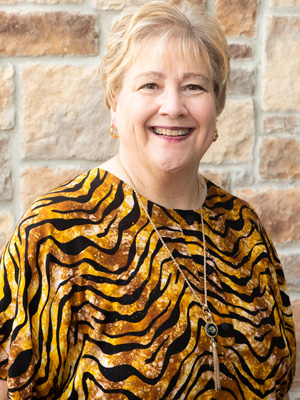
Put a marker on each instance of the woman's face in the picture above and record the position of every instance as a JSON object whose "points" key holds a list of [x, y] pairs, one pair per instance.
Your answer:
{"points": [[165, 111]]}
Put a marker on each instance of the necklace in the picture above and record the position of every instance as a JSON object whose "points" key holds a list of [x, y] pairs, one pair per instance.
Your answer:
{"points": [[211, 328]]}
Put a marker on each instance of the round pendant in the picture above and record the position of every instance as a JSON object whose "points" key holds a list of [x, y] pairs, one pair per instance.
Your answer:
{"points": [[211, 329]]}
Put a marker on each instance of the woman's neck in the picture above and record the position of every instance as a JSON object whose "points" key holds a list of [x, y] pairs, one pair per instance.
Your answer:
{"points": [[176, 189]]}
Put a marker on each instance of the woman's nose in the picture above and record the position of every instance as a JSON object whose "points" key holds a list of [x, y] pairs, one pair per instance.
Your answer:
{"points": [[172, 104]]}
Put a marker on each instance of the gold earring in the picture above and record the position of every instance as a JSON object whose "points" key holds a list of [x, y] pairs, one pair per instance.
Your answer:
{"points": [[216, 135], [112, 132]]}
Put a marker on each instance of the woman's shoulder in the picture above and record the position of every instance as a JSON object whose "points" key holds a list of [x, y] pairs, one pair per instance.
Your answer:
{"points": [[220, 198], [78, 195]]}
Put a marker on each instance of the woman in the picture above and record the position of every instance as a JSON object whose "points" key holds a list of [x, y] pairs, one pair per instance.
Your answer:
{"points": [[141, 279]]}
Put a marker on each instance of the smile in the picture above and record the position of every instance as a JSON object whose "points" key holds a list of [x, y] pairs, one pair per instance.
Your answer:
{"points": [[171, 132]]}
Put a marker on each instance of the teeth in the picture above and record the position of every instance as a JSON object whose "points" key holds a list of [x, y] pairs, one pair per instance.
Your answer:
{"points": [[171, 132]]}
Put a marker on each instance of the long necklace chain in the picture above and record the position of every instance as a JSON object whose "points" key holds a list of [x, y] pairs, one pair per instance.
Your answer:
{"points": [[211, 328]]}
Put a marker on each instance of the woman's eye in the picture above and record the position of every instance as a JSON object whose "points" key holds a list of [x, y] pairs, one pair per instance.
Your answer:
{"points": [[149, 86], [193, 87]]}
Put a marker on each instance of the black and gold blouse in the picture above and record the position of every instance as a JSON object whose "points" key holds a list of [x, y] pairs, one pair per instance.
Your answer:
{"points": [[93, 307]]}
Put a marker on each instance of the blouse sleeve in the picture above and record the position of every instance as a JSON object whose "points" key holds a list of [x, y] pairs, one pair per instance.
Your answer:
{"points": [[278, 283], [16, 350]]}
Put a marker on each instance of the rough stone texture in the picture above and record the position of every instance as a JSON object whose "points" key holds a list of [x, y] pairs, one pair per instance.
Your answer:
{"points": [[291, 267], [242, 81], [36, 181], [56, 1], [116, 4], [7, 109], [236, 134], [280, 158], [64, 115], [220, 179], [281, 90], [120, 4], [279, 211], [278, 124], [55, 33], [237, 17], [5, 175], [9, 1], [282, 3], [6, 228], [240, 51], [296, 312]]}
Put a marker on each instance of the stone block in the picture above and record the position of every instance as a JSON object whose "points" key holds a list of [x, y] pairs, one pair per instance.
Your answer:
{"points": [[279, 158], [236, 134], [5, 170], [117, 4], [279, 211], [52, 33], [6, 228], [237, 17], [281, 89], [284, 3], [278, 124], [240, 51], [36, 181], [64, 115], [242, 82], [56, 1], [219, 178], [7, 108], [296, 313], [291, 266], [120, 4]]}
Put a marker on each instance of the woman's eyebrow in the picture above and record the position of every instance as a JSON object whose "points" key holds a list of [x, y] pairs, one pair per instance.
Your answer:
{"points": [[194, 75], [150, 74]]}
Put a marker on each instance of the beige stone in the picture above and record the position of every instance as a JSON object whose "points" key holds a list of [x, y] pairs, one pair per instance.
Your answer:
{"points": [[278, 124], [218, 178], [283, 3], [64, 115], [279, 211], [291, 268], [281, 91], [116, 4], [5, 170], [236, 134], [56, 1], [240, 51], [9, 1], [242, 82], [7, 108], [120, 4], [296, 313], [6, 228], [52, 33], [279, 158], [237, 17], [36, 181]]}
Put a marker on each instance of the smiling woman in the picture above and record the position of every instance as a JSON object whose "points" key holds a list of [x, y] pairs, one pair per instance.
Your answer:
{"points": [[141, 279]]}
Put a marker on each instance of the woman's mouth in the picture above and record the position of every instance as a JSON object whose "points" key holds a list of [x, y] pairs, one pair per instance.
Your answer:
{"points": [[174, 132]]}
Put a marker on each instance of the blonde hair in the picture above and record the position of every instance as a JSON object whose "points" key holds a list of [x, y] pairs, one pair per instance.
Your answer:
{"points": [[194, 29]]}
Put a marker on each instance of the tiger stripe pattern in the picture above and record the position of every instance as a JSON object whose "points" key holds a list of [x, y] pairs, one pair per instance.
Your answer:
{"points": [[92, 306]]}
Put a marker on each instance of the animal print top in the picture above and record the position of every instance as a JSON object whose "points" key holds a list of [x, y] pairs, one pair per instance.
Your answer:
{"points": [[92, 306]]}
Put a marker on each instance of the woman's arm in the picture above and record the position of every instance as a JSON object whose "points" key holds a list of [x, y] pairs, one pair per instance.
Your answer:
{"points": [[3, 390]]}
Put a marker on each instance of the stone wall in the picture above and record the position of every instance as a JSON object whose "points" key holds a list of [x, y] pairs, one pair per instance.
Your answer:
{"points": [[53, 124]]}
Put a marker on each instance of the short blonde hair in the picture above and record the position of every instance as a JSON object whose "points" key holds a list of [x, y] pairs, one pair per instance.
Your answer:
{"points": [[190, 25]]}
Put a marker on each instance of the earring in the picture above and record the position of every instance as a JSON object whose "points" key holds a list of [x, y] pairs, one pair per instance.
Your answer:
{"points": [[112, 132], [216, 135]]}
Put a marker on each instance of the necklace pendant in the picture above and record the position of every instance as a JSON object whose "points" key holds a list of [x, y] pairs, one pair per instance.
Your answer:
{"points": [[211, 329]]}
